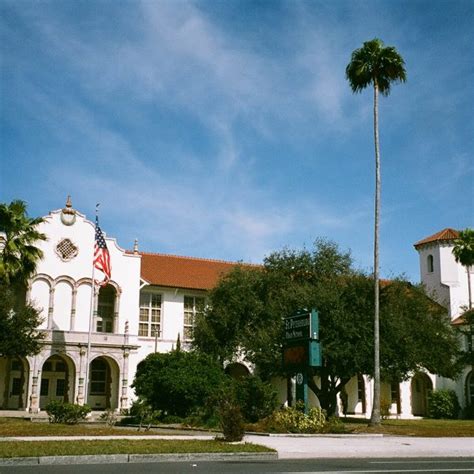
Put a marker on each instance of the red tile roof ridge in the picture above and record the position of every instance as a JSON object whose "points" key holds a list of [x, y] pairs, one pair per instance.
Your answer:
{"points": [[443, 235], [200, 259]]}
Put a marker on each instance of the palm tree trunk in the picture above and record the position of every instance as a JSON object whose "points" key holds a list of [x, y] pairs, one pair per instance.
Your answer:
{"points": [[375, 418], [468, 269]]}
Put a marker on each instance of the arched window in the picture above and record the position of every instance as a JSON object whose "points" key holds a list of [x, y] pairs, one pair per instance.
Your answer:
{"points": [[429, 263], [105, 309]]}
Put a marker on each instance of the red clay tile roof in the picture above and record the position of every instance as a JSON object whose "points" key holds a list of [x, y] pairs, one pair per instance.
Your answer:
{"points": [[183, 272], [442, 235]]}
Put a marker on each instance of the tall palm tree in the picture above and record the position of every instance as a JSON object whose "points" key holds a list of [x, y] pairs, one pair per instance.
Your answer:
{"points": [[19, 256], [463, 252], [380, 66]]}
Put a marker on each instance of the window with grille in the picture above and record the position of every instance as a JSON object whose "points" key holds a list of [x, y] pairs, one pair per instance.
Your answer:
{"points": [[60, 387], [105, 309], [16, 386], [44, 390], [395, 392], [470, 388], [98, 377], [60, 366], [66, 250], [150, 315], [193, 305]]}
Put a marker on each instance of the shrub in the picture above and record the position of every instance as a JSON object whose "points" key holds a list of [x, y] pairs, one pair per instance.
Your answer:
{"points": [[443, 404], [256, 398], [143, 414], [294, 420], [334, 425], [68, 413], [109, 417], [231, 420], [177, 382]]}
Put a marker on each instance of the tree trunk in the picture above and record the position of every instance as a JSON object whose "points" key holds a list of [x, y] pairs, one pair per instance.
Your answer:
{"points": [[375, 418], [327, 394], [468, 270]]}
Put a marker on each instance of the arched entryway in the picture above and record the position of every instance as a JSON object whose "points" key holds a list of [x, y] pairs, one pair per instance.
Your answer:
{"points": [[237, 370], [352, 396], [57, 380], [14, 383], [421, 386], [103, 387]]}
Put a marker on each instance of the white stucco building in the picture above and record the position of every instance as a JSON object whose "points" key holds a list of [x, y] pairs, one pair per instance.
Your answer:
{"points": [[93, 345]]}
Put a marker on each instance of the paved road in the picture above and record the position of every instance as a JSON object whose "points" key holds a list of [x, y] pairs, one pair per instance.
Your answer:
{"points": [[397, 465]]}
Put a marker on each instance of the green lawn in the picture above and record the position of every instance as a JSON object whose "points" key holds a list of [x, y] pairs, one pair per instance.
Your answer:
{"points": [[424, 428], [10, 449], [21, 427]]}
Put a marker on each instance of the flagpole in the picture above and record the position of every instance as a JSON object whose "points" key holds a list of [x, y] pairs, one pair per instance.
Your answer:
{"points": [[91, 312]]}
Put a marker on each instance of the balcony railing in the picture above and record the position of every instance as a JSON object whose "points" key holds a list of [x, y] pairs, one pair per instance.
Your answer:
{"points": [[77, 337]]}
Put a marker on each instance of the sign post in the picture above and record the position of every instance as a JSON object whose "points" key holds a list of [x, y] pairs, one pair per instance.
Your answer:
{"points": [[302, 349]]}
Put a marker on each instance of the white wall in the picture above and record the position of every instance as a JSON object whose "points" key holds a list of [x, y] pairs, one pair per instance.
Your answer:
{"points": [[447, 284]]}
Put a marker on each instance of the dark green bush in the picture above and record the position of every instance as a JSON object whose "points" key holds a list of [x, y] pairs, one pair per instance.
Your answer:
{"points": [[68, 413], [177, 383], [443, 404], [257, 399], [231, 419]]}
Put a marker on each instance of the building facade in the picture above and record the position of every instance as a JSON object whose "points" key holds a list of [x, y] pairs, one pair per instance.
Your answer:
{"points": [[96, 336]]}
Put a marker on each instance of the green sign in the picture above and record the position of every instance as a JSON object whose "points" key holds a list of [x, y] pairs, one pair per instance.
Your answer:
{"points": [[302, 326], [301, 347], [301, 355]]}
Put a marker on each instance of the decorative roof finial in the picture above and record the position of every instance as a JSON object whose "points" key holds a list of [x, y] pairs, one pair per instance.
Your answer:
{"points": [[135, 247], [68, 214]]}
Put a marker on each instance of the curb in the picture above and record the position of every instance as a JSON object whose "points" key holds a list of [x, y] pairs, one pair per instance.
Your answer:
{"points": [[318, 435], [137, 458]]}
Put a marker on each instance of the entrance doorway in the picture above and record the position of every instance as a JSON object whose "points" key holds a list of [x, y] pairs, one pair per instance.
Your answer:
{"points": [[421, 386], [103, 384], [57, 380]]}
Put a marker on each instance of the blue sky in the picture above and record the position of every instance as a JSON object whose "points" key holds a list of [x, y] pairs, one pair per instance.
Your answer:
{"points": [[226, 129]]}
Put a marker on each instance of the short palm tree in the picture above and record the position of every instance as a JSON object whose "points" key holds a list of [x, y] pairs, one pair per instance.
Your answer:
{"points": [[19, 256], [377, 65], [463, 252]]}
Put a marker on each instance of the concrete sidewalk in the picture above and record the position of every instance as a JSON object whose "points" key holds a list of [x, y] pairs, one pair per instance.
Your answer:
{"points": [[319, 446], [354, 446]]}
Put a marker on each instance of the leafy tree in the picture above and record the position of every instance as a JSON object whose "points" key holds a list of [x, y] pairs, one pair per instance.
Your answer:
{"points": [[18, 334], [18, 259], [377, 65], [20, 255], [246, 310], [177, 382], [463, 252]]}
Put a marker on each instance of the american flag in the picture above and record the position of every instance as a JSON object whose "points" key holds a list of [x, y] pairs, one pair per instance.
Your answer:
{"points": [[101, 255]]}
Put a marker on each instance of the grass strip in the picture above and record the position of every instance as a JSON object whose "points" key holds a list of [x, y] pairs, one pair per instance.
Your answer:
{"points": [[424, 428], [20, 427], [9, 449]]}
